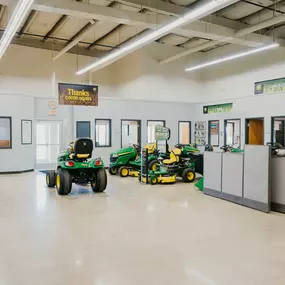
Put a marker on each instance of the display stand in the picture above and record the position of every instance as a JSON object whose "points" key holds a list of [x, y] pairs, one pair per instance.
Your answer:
{"points": [[144, 165]]}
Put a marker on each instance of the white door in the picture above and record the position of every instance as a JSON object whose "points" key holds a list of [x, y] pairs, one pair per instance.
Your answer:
{"points": [[49, 143]]}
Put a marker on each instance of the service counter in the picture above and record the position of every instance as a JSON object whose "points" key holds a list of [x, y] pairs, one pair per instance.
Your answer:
{"points": [[278, 183], [242, 178]]}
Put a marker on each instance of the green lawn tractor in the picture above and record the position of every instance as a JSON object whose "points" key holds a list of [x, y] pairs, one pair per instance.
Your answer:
{"points": [[76, 166], [167, 170], [127, 161]]}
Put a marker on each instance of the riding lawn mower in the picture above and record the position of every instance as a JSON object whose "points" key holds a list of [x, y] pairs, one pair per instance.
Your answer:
{"points": [[75, 165], [127, 161], [167, 170]]}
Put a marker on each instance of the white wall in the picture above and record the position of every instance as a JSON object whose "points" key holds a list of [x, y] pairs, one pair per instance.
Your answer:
{"points": [[29, 77], [20, 157], [233, 82], [140, 110], [139, 76]]}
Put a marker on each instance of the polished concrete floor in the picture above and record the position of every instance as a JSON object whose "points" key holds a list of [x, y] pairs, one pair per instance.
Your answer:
{"points": [[134, 235]]}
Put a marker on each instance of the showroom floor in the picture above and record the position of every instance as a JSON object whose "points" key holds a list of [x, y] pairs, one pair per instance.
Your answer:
{"points": [[134, 235]]}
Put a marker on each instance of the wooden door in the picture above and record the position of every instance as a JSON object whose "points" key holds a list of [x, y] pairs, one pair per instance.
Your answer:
{"points": [[255, 132]]}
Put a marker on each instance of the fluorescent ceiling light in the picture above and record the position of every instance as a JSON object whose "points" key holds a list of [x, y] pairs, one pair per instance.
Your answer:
{"points": [[18, 15], [161, 30], [234, 56]]}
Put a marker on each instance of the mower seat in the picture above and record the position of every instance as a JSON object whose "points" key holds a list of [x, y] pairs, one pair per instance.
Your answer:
{"points": [[82, 149], [174, 156], [151, 147]]}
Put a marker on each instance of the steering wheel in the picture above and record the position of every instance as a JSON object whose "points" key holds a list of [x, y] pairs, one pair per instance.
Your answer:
{"points": [[136, 147]]}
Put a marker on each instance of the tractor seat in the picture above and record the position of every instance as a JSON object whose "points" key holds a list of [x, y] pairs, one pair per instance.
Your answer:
{"points": [[151, 147], [174, 156], [82, 149]]}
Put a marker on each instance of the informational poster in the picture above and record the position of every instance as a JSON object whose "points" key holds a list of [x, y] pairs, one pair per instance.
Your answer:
{"points": [[214, 133], [214, 128], [52, 106], [77, 94], [26, 132], [200, 133], [5, 132]]}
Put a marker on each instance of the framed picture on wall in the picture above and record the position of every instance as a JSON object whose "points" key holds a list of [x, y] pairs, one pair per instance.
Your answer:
{"points": [[26, 129], [5, 132]]}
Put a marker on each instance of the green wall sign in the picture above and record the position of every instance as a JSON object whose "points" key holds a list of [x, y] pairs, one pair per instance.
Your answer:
{"points": [[269, 86], [221, 108]]}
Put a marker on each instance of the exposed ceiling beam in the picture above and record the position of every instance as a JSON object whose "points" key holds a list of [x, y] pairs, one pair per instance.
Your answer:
{"points": [[80, 35], [157, 6], [117, 28], [114, 30], [28, 23], [176, 10], [240, 33], [35, 43], [62, 20], [58, 25], [148, 21]]}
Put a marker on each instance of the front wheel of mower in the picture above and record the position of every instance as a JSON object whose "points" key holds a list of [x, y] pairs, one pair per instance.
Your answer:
{"points": [[153, 165], [63, 182], [123, 171], [100, 183], [50, 178], [152, 180], [188, 175], [112, 170]]}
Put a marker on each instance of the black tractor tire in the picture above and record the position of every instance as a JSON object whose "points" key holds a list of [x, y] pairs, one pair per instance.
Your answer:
{"points": [[50, 178], [153, 165], [188, 175], [123, 171], [112, 170], [65, 182], [100, 181]]}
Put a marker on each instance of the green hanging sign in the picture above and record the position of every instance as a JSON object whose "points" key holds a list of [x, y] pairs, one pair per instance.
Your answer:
{"points": [[221, 108], [269, 86]]}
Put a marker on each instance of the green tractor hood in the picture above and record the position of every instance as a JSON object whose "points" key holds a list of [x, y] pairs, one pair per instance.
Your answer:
{"points": [[124, 151]]}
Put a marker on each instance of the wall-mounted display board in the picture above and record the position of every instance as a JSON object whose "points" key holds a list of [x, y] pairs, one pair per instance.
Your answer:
{"points": [[200, 133], [26, 129], [5, 132], [77, 94], [269, 86], [221, 108]]}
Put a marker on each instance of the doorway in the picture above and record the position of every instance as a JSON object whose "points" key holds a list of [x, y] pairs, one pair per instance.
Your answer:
{"points": [[254, 131], [130, 132], [49, 143], [232, 132]]}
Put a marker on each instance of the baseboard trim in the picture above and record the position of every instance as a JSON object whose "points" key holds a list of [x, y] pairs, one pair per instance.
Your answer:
{"points": [[278, 207], [239, 200], [17, 172]]}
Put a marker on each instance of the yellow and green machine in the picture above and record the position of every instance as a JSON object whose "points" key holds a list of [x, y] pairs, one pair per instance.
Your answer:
{"points": [[75, 165], [127, 161], [179, 164]]}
